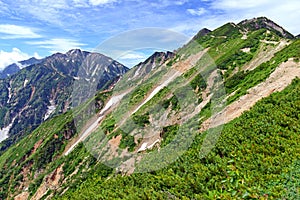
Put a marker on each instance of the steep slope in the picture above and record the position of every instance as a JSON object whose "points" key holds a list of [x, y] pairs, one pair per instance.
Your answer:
{"points": [[263, 22], [144, 68], [15, 67], [170, 118], [38, 91], [201, 33]]}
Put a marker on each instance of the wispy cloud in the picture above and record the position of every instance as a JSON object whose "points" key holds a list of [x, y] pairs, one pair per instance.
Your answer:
{"points": [[236, 4], [198, 12], [130, 59], [80, 3], [101, 2], [166, 3], [15, 55], [58, 44], [3, 7], [10, 31], [286, 14], [45, 10], [146, 38]]}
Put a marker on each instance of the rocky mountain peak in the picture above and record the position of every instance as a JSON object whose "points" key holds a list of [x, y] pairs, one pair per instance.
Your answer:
{"points": [[264, 22], [201, 33]]}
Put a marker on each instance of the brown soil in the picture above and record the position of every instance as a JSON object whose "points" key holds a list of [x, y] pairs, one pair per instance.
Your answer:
{"points": [[278, 80], [264, 56], [52, 181], [22, 196]]}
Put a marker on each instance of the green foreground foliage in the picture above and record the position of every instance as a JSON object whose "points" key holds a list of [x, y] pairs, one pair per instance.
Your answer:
{"points": [[254, 158]]}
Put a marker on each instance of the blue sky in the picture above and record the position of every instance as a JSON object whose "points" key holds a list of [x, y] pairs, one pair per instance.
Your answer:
{"points": [[42, 27]]}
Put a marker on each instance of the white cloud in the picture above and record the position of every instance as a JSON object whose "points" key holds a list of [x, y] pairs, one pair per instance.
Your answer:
{"points": [[131, 59], [3, 7], [237, 4], [80, 3], [7, 58], [101, 2], [166, 3], [285, 14], [58, 44], [220, 12], [198, 12], [133, 56], [11, 31], [45, 10]]}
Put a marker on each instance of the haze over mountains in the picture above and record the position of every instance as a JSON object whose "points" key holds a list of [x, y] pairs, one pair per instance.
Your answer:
{"points": [[215, 119]]}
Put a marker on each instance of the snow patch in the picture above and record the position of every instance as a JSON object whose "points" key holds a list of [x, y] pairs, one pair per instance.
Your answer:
{"points": [[111, 102], [25, 82], [114, 100], [9, 94], [4, 131], [246, 50], [137, 72], [50, 110], [145, 146], [244, 37], [157, 89]]}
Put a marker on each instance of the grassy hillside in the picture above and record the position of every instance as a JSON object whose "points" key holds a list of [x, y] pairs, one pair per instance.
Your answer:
{"points": [[254, 158]]}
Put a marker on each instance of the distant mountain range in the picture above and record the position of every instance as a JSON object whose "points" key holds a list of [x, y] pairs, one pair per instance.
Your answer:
{"points": [[39, 89], [216, 119], [15, 67]]}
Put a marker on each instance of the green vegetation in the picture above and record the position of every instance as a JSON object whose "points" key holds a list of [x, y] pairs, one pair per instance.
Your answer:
{"points": [[141, 120], [242, 81], [255, 157], [168, 134], [127, 141], [253, 151], [198, 83], [139, 93], [173, 101], [38, 154]]}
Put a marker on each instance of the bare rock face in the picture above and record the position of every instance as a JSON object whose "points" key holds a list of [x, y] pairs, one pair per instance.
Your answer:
{"points": [[154, 61], [43, 89]]}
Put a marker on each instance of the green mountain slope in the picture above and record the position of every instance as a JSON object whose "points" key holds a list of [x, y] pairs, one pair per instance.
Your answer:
{"points": [[162, 114], [252, 159]]}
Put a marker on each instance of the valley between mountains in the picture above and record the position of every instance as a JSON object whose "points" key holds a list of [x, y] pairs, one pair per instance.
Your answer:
{"points": [[215, 119]]}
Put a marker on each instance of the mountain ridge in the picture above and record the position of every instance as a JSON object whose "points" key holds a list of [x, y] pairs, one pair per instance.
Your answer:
{"points": [[29, 95], [264, 22], [15, 67], [258, 71]]}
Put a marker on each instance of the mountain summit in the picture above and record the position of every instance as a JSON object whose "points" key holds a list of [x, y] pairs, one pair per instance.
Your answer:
{"points": [[263, 22], [43, 89], [216, 119]]}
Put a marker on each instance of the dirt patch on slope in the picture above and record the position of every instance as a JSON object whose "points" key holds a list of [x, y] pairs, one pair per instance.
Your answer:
{"points": [[52, 181], [36, 146], [190, 62], [22, 196], [264, 56], [277, 81]]}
